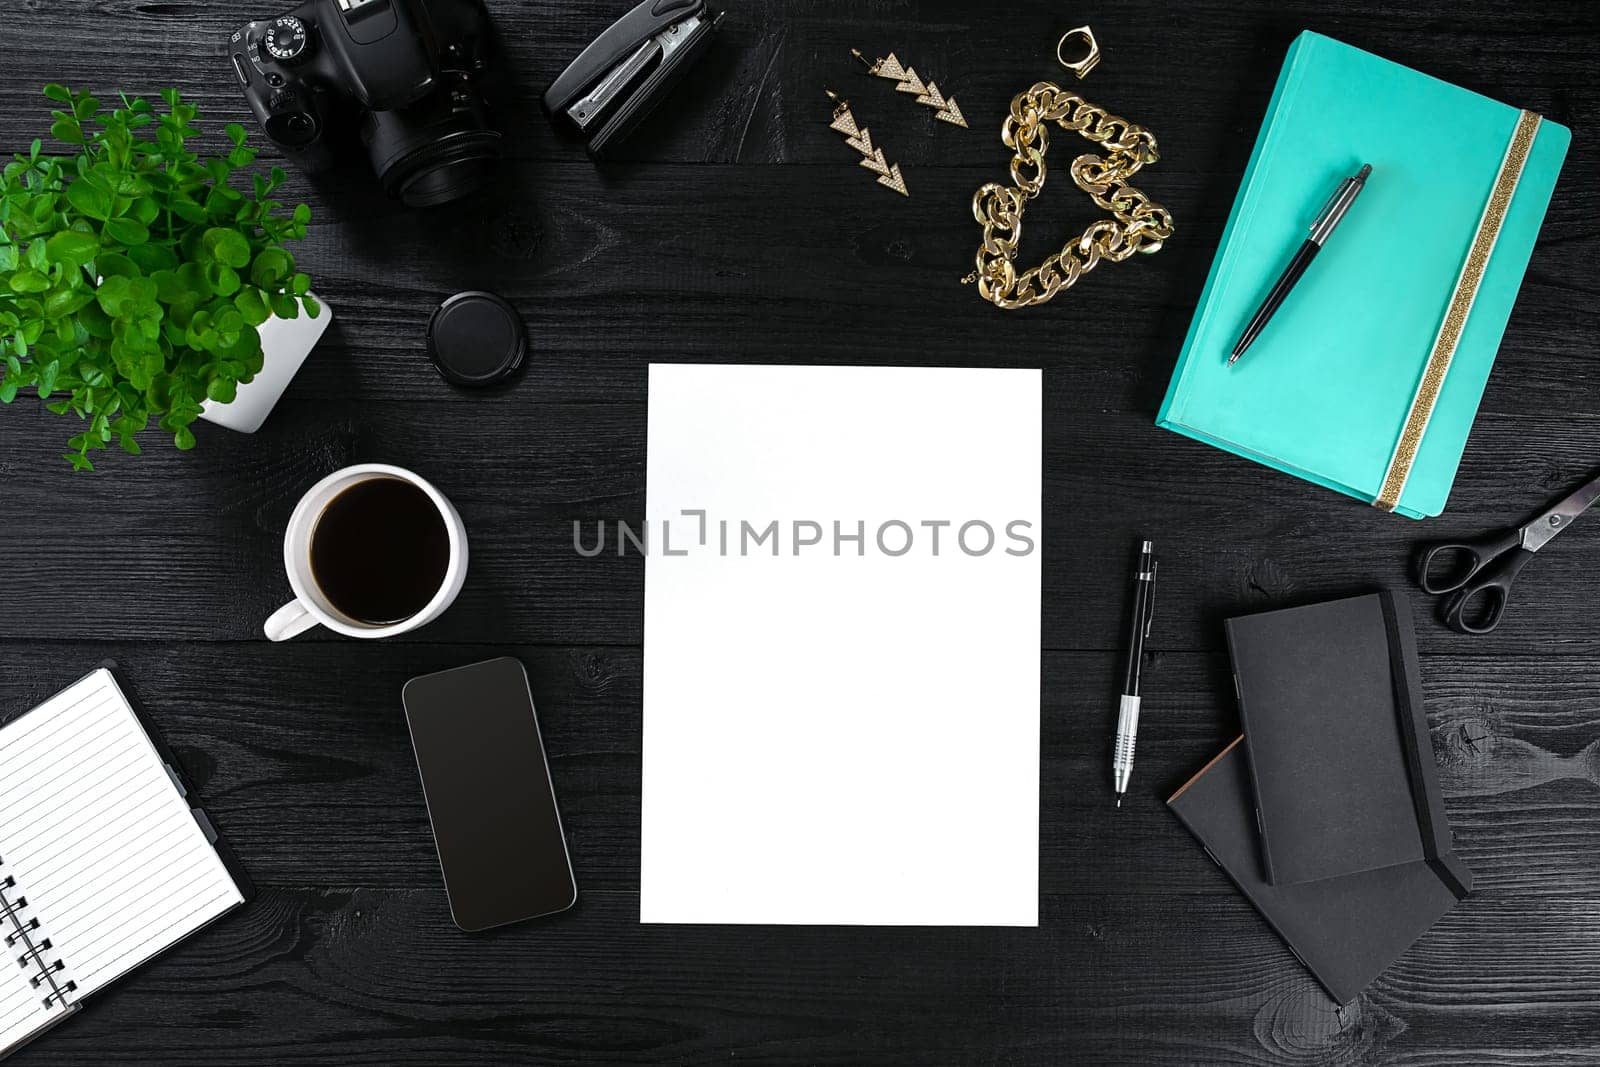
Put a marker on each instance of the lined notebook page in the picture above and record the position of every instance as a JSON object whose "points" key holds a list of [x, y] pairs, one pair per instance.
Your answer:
{"points": [[98, 837]]}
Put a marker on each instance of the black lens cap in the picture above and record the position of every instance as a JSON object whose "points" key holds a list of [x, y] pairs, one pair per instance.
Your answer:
{"points": [[476, 338]]}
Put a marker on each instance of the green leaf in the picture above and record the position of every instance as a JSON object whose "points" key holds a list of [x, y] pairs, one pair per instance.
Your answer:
{"points": [[151, 258], [183, 439], [84, 106], [192, 276], [67, 131], [221, 390], [47, 378], [187, 209], [79, 461], [152, 364], [227, 246], [59, 93], [114, 295], [143, 292], [220, 197], [8, 391], [90, 199], [29, 281], [313, 307], [251, 306], [235, 133], [43, 210], [246, 353], [271, 267], [300, 284], [302, 214], [169, 287], [121, 182], [224, 280], [115, 264], [65, 302], [73, 248], [127, 231]]}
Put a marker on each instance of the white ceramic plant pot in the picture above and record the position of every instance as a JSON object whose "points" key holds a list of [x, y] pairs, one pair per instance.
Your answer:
{"points": [[285, 344]]}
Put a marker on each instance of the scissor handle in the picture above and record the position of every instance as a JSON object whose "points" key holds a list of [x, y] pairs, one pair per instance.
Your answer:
{"points": [[1461, 561], [1477, 606]]}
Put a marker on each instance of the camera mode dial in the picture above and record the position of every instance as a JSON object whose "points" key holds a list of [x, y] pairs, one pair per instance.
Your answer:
{"points": [[286, 40]]}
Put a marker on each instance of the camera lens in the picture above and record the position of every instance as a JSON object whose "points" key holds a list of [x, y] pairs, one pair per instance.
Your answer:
{"points": [[438, 150], [444, 180]]}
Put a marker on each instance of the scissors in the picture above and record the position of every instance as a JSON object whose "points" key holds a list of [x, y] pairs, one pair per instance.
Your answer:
{"points": [[1483, 569]]}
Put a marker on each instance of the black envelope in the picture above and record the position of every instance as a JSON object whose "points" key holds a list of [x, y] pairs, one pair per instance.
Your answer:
{"points": [[1346, 930], [1330, 697]]}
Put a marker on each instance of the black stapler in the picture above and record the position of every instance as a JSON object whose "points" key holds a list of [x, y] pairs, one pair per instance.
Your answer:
{"points": [[609, 89]]}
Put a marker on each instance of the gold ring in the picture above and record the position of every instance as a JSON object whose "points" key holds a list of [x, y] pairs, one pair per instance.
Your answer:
{"points": [[1083, 66]]}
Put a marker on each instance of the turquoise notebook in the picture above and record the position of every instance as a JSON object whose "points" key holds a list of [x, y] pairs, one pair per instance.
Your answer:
{"points": [[1369, 376]]}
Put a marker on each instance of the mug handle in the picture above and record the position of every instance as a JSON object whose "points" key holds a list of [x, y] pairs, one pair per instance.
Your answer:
{"points": [[289, 621]]}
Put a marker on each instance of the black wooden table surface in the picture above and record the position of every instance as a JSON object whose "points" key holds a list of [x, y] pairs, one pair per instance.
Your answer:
{"points": [[739, 229]]}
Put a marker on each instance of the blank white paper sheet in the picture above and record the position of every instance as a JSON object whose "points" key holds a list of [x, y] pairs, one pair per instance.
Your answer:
{"points": [[841, 646]]}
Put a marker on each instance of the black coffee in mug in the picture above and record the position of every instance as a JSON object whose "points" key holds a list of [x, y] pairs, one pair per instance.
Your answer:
{"points": [[380, 550]]}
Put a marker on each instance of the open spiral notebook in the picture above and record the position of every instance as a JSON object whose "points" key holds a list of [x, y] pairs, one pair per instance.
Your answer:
{"points": [[91, 805]]}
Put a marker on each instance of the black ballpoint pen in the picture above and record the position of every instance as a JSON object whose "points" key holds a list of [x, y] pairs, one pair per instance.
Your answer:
{"points": [[1329, 217], [1144, 607]]}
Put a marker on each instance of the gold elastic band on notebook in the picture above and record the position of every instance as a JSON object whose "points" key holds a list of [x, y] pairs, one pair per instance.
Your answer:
{"points": [[1455, 316]]}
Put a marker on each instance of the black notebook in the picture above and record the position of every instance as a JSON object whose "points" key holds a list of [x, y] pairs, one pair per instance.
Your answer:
{"points": [[1345, 930], [1330, 698], [104, 862]]}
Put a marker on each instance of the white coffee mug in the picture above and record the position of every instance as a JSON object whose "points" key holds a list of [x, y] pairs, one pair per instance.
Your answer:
{"points": [[310, 607]]}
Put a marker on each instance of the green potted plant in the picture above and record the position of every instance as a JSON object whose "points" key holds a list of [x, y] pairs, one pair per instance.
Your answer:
{"points": [[134, 276]]}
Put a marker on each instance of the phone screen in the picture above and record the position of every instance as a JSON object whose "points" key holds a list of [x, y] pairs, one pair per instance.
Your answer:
{"points": [[489, 794]]}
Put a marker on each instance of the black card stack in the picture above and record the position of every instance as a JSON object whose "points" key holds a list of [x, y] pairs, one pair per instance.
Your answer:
{"points": [[1327, 813]]}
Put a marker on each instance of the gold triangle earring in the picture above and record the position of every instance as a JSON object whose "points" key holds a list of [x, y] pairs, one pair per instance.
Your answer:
{"points": [[907, 80], [860, 138]]}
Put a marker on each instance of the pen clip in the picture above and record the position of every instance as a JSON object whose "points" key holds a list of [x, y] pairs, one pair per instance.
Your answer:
{"points": [[1328, 208], [1150, 605], [1338, 204]]}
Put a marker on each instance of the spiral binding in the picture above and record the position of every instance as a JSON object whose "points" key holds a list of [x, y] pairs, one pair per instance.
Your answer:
{"points": [[33, 952]]}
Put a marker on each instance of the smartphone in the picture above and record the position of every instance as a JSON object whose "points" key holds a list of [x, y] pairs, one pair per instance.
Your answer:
{"points": [[489, 794]]}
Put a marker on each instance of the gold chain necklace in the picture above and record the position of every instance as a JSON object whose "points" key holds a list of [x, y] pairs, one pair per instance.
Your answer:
{"points": [[1137, 223]]}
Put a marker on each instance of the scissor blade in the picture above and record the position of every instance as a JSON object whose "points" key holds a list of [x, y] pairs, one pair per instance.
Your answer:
{"points": [[1538, 532]]}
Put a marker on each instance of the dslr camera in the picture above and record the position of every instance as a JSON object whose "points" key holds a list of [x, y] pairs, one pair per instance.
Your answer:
{"points": [[403, 74]]}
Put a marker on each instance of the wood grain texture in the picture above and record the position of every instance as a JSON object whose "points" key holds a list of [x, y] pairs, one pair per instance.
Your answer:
{"points": [[379, 976], [737, 228]]}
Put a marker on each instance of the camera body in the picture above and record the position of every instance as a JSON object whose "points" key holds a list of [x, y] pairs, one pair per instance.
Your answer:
{"points": [[403, 74]]}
